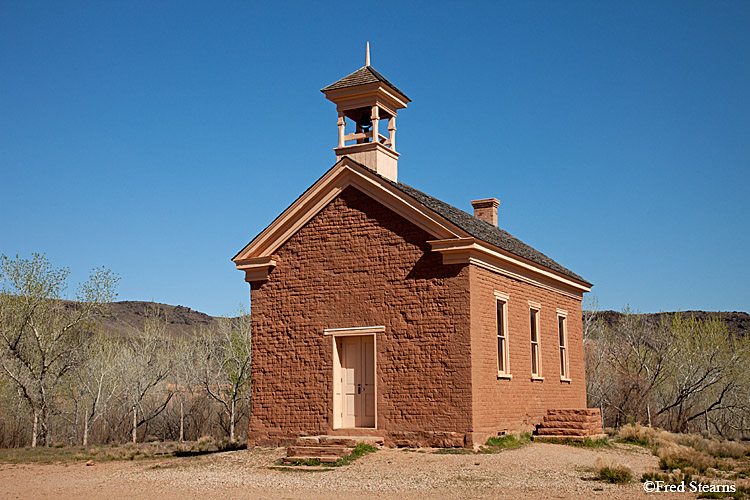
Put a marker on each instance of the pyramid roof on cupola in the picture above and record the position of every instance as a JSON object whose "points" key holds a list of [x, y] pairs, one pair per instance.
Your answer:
{"points": [[363, 76]]}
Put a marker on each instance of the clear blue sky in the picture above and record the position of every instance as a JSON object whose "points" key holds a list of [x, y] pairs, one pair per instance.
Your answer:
{"points": [[157, 138]]}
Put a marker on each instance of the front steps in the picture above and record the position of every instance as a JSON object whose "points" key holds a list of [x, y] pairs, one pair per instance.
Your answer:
{"points": [[570, 424], [326, 449]]}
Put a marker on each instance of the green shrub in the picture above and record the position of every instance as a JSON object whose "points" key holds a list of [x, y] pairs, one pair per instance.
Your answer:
{"points": [[591, 443], [618, 476], [612, 472], [359, 451], [507, 442], [312, 462]]}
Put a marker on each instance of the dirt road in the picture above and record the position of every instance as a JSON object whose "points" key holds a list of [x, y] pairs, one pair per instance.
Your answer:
{"points": [[537, 471]]}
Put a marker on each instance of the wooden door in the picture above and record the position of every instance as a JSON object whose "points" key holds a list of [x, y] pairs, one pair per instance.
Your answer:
{"points": [[358, 381]]}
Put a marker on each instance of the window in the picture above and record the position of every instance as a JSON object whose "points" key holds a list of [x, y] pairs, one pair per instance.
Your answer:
{"points": [[503, 367], [536, 368], [562, 333]]}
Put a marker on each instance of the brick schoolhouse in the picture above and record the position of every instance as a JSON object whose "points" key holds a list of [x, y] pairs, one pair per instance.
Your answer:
{"points": [[379, 310]]}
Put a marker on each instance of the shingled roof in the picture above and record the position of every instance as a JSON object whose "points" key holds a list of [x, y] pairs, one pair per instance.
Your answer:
{"points": [[483, 230], [363, 76], [479, 228]]}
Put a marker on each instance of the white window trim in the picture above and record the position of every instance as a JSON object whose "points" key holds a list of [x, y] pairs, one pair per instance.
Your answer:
{"points": [[503, 298], [536, 306], [561, 313]]}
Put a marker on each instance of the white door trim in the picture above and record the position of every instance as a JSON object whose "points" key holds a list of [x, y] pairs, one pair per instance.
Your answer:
{"points": [[359, 330], [335, 334]]}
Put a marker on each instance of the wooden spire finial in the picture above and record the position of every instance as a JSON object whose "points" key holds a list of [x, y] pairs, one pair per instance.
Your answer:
{"points": [[367, 56]]}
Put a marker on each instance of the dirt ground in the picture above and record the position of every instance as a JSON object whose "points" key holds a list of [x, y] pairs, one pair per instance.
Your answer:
{"points": [[537, 471]]}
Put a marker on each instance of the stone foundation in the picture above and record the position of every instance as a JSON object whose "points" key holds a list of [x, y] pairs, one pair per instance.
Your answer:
{"points": [[399, 439]]}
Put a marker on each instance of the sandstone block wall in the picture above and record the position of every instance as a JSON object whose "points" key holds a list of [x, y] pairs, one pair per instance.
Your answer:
{"points": [[357, 264], [520, 403]]}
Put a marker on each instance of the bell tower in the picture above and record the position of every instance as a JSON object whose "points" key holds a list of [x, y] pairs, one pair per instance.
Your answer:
{"points": [[366, 98]]}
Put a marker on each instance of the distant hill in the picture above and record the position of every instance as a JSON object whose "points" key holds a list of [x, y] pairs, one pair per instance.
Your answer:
{"points": [[737, 322], [125, 316]]}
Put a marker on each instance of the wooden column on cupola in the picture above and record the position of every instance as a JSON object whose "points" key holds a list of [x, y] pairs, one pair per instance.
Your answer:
{"points": [[366, 97]]}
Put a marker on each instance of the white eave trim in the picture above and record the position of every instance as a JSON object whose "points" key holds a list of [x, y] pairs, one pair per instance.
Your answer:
{"points": [[482, 254], [256, 269]]}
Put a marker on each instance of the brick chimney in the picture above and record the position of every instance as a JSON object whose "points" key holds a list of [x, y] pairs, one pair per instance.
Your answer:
{"points": [[486, 209]]}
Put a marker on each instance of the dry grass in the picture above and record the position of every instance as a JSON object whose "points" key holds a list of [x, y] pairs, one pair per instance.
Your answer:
{"points": [[612, 471], [648, 437], [104, 453], [675, 456], [686, 455], [713, 447]]}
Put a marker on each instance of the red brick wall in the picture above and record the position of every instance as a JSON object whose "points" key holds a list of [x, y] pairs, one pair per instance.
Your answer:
{"points": [[520, 403], [357, 263]]}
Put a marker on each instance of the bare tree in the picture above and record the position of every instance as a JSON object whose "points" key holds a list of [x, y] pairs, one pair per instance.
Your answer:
{"points": [[707, 366], [98, 380], [592, 324], [144, 365], [224, 357], [14, 431], [680, 373], [39, 333], [184, 376]]}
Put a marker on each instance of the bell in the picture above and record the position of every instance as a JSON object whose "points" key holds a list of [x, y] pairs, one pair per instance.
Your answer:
{"points": [[364, 122]]}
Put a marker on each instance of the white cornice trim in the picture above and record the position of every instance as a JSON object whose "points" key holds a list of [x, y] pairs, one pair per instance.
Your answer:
{"points": [[256, 269]]}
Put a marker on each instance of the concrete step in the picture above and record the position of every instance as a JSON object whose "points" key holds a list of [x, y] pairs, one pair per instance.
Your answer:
{"points": [[567, 431], [570, 425], [321, 459], [351, 441], [302, 468], [307, 441], [339, 440], [335, 451], [571, 418], [575, 411]]}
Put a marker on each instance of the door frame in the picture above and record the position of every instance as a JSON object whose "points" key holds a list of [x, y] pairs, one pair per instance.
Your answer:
{"points": [[336, 334]]}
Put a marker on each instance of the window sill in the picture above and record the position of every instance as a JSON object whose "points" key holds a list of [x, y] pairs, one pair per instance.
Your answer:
{"points": [[534, 378], [566, 380], [506, 376]]}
